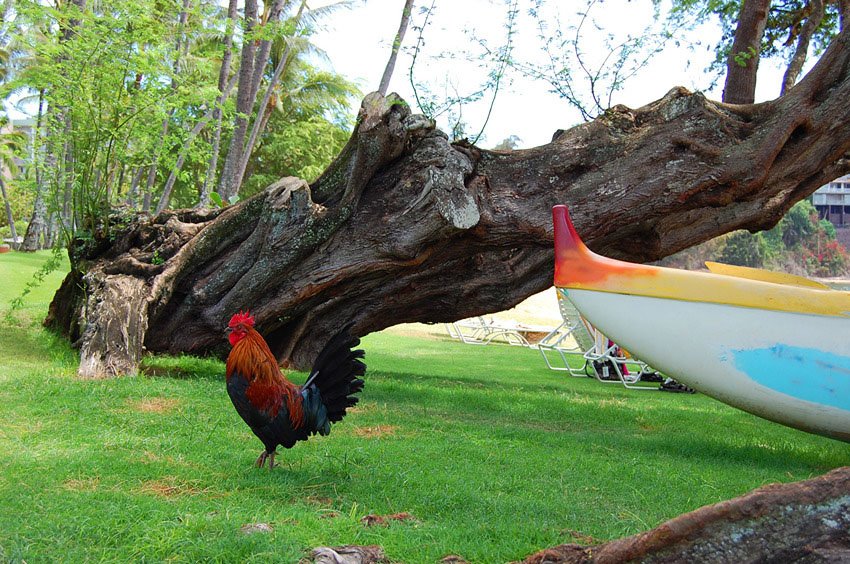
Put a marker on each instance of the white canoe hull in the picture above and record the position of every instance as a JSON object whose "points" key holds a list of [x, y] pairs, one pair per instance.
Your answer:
{"points": [[792, 368]]}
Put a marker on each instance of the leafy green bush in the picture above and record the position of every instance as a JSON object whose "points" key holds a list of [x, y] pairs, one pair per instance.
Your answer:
{"points": [[744, 249]]}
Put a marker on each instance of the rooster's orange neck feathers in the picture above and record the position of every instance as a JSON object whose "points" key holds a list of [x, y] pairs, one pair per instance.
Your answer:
{"points": [[252, 358]]}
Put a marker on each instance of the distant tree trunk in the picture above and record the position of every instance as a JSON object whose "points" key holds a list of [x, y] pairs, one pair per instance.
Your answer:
{"points": [[255, 56], [181, 157], [399, 37], [742, 64], [405, 226], [147, 196], [9, 216], [801, 52], [270, 15], [224, 72], [133, 191], [37, 227], [51, 238], [844, 13], [244, 104], [67, 221], [264, 109], [165, 197]]}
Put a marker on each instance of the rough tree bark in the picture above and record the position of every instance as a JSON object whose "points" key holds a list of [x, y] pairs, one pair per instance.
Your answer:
{"points": [[37, 227], [405, 226], [255, 56], [265, 108]]}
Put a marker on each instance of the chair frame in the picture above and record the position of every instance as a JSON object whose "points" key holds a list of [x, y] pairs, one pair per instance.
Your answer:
{"points": [[482, 331], [578, 329]]}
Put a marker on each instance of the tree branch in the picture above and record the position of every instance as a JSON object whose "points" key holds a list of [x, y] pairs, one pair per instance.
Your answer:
{"points": [[405, 226]]}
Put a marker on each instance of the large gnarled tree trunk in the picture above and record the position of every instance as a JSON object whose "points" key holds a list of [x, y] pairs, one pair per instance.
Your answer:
{"points": [[405, 226]]}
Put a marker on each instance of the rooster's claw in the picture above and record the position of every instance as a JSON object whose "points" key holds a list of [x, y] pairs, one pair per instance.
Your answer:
{"points": [[261, 460]]}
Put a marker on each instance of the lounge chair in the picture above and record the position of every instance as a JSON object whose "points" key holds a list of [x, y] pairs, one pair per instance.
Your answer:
{"points": [[602, 358], [483, 331]]}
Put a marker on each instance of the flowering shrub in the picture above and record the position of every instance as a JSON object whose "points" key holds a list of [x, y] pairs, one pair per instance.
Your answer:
{"points": [[801, 243]]}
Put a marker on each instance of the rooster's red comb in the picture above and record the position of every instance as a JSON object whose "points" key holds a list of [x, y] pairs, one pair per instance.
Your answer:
{"points": [[243, 317]]}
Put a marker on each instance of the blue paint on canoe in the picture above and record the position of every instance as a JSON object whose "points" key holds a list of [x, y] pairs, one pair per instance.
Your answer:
{"points": [[807, 374]]}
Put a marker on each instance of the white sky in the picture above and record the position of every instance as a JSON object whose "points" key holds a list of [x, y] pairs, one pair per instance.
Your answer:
{"points": [[358, 44]]}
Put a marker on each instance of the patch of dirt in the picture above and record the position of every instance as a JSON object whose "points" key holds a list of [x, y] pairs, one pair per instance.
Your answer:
{"points": [[363, 407], [149, 456], [252, 528], [154, 405], [169, 486], [385, 520], [318, 500], [580, 537], [376, 432], [81, 484], [453, 559]]}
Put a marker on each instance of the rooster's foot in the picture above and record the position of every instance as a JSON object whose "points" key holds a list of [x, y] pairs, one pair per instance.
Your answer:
{"points": [[265, 455]]}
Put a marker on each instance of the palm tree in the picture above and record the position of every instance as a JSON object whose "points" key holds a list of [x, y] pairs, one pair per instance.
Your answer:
{"points": [[11, 145], [270, 61]]}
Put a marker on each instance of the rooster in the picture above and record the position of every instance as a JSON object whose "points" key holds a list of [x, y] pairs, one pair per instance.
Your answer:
{"points": [[278, 411]]}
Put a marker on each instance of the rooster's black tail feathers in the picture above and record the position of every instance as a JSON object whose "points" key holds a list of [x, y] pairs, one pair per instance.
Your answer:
{"points": [[336, 374]]}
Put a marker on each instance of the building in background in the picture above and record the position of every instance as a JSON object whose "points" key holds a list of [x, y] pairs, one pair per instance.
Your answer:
{"points": [[833, 201]]}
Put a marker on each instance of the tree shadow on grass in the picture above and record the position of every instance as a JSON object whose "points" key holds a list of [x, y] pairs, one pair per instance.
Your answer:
{"points": [[693, 429], [182, 367], [21, 346]]}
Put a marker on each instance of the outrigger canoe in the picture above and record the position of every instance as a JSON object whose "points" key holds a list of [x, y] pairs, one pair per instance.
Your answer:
{"points": [[774, 345]]}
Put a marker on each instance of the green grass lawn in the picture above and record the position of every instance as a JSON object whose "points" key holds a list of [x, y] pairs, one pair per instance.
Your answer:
{"points": [[493, 455]]}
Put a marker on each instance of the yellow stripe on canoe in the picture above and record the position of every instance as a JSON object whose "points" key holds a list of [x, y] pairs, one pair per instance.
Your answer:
{"points": [[577, 267], [763, 275]]}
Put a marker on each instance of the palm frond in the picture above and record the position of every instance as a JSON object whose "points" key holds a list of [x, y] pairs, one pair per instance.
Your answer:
{"points": [[315, 16]]}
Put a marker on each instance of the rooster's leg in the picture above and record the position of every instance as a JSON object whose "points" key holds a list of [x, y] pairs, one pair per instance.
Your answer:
{"points": [[261, 460], [271, 459]]}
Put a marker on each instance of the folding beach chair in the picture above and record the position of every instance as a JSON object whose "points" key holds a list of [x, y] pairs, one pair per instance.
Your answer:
{"points": [[571, 338], [483, 331], [603, 359]]}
